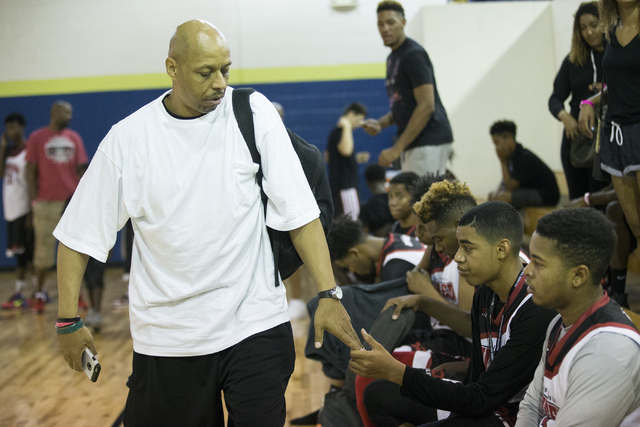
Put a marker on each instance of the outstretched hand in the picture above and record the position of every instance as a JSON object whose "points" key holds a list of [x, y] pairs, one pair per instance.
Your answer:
{"points": [[332, 317], [376, 363], [409, 301], [72, 346], [388, 156], [371, 126]]}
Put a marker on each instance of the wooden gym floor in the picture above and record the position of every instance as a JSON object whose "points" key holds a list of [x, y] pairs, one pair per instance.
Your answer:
{"points": [[38, 389]]}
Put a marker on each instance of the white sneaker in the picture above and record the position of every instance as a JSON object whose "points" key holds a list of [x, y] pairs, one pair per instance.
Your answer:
{"points": [[297, 309]]}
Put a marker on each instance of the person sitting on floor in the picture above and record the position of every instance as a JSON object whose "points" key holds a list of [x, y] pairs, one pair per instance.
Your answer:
{"points": [[589, 374], [526, 179], [400, 203], [508, 331], [366, 256]]}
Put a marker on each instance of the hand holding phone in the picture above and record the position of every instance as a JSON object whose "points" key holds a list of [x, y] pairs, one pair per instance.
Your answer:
{"points": [[90, 365]]}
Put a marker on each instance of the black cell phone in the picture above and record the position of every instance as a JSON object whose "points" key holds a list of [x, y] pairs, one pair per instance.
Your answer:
{"points": [[90, 365]]}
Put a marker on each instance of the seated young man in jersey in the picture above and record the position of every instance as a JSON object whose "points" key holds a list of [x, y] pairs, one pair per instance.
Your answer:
{"points": [[589, 373], [424, 340], [369, 299], [372, 259], [507, 333], [400, 203]]}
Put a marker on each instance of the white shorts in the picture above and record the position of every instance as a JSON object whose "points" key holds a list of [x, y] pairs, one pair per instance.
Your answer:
{"points": [[426, 159]]}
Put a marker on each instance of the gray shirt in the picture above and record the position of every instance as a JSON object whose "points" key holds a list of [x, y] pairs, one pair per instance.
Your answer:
{"points": [[603, 385]]}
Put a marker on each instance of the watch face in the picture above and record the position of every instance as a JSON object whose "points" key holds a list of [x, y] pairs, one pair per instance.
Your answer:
{"points": [[337, 292]]}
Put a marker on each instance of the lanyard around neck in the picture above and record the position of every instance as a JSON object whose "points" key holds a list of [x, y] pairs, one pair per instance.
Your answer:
{"points": [[492, 350]]}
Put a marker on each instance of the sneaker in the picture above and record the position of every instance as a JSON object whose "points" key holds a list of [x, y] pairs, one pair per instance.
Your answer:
{"points": [[122, 302], [96, 322], [82, 304], [38, 304], [46, 297], [17, 300]]}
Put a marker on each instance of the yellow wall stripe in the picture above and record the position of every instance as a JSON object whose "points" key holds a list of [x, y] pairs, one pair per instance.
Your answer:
{"points": [[162, 81]]}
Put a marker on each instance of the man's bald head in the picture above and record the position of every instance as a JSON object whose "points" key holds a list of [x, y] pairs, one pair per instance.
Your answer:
{"points": [[198, 64], [192, 36], [61, 114]]}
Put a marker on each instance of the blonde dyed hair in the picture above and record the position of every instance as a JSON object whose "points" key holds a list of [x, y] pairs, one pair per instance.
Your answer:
{"points": [[444, 201]]}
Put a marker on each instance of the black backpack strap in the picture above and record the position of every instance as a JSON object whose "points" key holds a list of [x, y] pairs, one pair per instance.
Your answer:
{"points": [[244, 116]]}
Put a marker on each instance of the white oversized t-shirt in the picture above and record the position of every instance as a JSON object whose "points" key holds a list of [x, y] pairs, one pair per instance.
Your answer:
{"points": [[202, 268]]}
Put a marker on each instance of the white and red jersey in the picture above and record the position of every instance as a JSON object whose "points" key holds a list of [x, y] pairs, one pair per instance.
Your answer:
{"points": [[602, 317], [15, 194], [404, 249]]}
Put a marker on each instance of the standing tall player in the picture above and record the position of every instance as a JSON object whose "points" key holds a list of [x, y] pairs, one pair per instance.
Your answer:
{"points": [[15, 201]]}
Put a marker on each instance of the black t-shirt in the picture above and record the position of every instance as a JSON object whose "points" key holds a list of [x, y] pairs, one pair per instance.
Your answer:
{"points": [[343, 170], [532, 172], [408, 67], [486, 390], [375, 213], [574, 80], [622, 75]]}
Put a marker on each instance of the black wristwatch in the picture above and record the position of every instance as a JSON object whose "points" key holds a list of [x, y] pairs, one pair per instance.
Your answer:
{"points": [[335, 293]]}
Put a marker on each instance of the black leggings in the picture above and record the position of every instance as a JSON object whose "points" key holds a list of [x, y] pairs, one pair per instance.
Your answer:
{"points": [[579, 180]]}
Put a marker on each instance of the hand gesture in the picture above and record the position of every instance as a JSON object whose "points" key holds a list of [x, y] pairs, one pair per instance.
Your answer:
{"points": [[372, 127], [570, 127], [376, 363], [388, 156], [344, 123], [587, 120], [409, 301], [362, 157], [72, 346], [419, 284], [332, 317]]}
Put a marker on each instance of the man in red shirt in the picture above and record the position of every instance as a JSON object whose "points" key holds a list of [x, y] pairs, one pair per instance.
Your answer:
{"points": [[56, 159]]}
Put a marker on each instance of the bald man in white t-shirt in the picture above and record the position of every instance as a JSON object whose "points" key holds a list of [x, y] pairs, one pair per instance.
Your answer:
{"points": [[205, 314]]}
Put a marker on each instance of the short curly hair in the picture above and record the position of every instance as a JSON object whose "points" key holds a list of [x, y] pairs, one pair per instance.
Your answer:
{"points": [[445, 201], [390, 5], [503, 126], [581, 237], [495, 220], [344, 234]]}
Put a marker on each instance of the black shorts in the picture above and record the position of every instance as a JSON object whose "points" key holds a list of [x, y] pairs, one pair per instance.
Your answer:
{"points": [[620, 149], [185, 391], [20, 240]]}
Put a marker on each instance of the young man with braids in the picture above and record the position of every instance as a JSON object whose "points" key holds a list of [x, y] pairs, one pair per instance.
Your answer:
{"points": [[589, 374], [507, 332]]}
